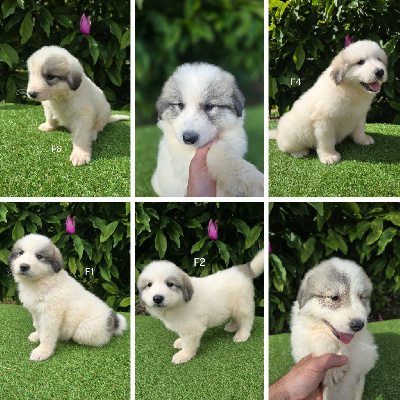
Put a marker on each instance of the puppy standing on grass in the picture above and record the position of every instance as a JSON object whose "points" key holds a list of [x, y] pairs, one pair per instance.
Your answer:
{"points": [[60, 306], [188, 306], [69, 98]]}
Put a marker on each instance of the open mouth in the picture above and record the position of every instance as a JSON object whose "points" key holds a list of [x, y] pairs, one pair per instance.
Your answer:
{"points": [[346, 338], [371, 87]]}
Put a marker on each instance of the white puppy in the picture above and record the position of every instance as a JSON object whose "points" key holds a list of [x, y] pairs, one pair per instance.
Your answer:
{"points": [[188, 306], [336, 106], [330, 316], [60, 306], [69, 98], [200, 103]]}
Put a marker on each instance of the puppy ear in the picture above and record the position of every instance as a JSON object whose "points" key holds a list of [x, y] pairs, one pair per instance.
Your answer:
{"points": [[74, 80], [339, 69], [238, 100], [304, 294], [161, 106], [13, 255], [56, 260], [186, 287]]}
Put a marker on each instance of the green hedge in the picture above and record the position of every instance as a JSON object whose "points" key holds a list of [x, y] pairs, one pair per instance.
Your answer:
{"points": [[306, 35], [178, 232], [101, 242], [303, 234], [229, 34], [27, 25]]}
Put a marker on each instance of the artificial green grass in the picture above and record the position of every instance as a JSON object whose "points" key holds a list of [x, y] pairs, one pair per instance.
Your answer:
{"points": [[221, 369], [29, 167], [365, 171], [148, 137], [74, 372], [382, 382]]}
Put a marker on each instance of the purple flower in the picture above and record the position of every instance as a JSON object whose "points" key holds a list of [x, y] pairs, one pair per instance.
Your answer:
{"points": [[70, 225], [85, 24], [213, 230], [269, 248], [348, 41]]}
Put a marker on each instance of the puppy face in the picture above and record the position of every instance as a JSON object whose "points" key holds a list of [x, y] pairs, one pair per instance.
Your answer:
{"points": [[362, 64], [34, 257], [54, 74], [163, 284], [198, 102], [337, 293]]}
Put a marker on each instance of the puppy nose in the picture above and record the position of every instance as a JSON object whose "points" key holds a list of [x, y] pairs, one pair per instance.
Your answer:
{"points": [[379, 72], [190, 137], [24, 267], [356, 325], [32, 95], [158, 299]]}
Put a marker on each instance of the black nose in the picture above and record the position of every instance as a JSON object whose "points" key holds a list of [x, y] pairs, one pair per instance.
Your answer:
{"points": [[379, 72], [158, 299], [356, 325], [24, 267], [190, 137], [32, 95]]}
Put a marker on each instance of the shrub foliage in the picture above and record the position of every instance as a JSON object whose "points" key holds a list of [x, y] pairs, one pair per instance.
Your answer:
{"points": [[306, 35], [303, 234], [178, 232], [101, 242]]}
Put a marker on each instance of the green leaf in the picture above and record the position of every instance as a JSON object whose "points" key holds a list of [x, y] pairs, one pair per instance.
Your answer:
{"points": [[141, 217], [46, 20], [223, 251], [3, 213], [241, 226], [114, 28], [161, 243], [8, 7], [78, 245], [308, 249], [72, 265], [386, 238], [18, 231], [126, 39], [253, 237], [110, 288], [377, 228], [26, 28], [198, 245], [115, 76], [193, 223], [64, 20], [126, 302], [107, 231], [68, 39], [319, 207], [105, 272], [393, 217], [94, 48], [299, 56]]}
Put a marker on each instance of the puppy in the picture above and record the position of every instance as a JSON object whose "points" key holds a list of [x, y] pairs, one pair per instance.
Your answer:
{"points": [[61, 308], [188, 306], [69, 98], [336, 106], [330, 316], [200, 103]]}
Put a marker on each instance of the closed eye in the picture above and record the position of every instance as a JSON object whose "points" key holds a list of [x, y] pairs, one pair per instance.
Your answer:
{"points": [[50, 77]]}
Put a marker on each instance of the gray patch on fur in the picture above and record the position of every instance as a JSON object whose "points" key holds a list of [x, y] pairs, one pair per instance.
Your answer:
{"points": [[169, 99], [182, 282], [112, 322], [51, 255]]}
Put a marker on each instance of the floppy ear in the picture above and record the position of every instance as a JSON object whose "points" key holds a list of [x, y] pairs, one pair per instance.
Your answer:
{"points": [[12, 256], [186, 287], [56, 260], [339, 69], [304, 293], [161, 106], [74, 80], [238, 100]]}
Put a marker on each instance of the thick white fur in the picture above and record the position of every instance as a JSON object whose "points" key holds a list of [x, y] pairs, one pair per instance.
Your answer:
{"points": [[60, 306], [193, 85], [335, 107], [314, 315], [70, 99], [191, 305]]}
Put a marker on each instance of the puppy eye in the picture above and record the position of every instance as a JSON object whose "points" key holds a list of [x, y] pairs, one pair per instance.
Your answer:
{"points": [[379, 59], [21, 252], [149, 284], [50, 77], [208, 107], [170, 284], [335, 298], [39, 256], [181, 106], [361, 62]]}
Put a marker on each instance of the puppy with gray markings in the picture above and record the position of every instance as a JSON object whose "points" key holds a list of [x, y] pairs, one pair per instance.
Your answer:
{"points": [[60, 306], [330, 316], [200, 103], [188, 306], [69, 98], [336, 106]]}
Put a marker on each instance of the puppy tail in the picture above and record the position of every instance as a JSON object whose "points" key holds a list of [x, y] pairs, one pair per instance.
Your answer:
{"points": [[257, 264], [120, 324], [118, 117], [273, 134]]}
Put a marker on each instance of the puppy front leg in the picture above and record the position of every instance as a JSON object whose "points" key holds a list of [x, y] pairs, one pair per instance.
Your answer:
{"points": [[48, 335], [359, 136], [189, 346], [326, 140], [82, 146], [235, 176], [51, 122], [34, 336]]}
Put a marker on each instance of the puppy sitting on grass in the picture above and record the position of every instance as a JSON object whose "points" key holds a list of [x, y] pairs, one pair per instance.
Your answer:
{"points": [[69, 98]]}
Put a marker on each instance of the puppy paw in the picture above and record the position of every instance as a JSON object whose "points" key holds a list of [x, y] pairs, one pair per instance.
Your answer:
{"points": [[41, 353], [182, 356], [231, 327], [300, 154], [34, 337], [46, 127], [178, 343], [329, 158], [334, 375], [79, 157], [241, 337], [364, 140]]}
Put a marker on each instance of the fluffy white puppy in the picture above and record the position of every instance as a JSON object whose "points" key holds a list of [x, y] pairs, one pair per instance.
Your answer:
{"points": [[330, 316], [336, 106], [198, 104], [188, 306], [69, 98], [60, 306]]}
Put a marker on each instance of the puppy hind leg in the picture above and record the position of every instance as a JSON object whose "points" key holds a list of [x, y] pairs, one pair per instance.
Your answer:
{"points": [[232, 326], [359, 136]]}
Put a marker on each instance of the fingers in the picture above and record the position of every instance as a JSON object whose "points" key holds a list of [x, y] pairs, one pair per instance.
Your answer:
{"points": [[329, 360]]}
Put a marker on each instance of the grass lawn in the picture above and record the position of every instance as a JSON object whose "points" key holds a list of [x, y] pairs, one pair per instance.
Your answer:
{"points": [[29, 167], [221, 369], [73, 372], [365, 171], [382, 383], [148, 137]]}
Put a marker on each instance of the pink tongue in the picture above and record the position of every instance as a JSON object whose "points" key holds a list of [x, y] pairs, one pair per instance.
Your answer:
{"points": [[375, 87], [346, 337]]}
